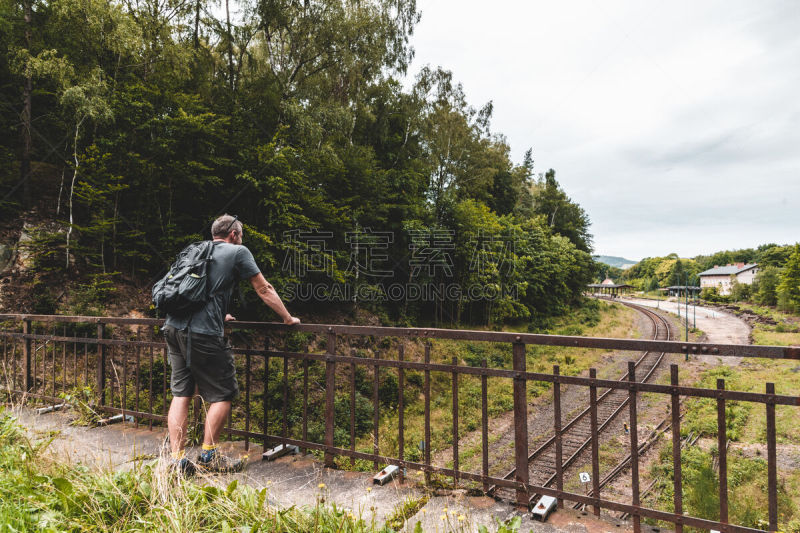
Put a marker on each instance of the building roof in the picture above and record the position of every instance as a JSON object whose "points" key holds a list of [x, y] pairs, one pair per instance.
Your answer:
{"points": [[608, 286], [728, 270]]}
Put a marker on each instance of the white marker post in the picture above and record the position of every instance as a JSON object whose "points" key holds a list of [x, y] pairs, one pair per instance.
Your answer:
{"points": [[585, 479]]}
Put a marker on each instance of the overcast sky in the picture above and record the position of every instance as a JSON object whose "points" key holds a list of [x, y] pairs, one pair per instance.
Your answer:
{"points": [[675, 124]]}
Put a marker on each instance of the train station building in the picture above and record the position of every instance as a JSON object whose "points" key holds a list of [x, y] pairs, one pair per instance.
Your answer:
{"points": [[609, 288]]}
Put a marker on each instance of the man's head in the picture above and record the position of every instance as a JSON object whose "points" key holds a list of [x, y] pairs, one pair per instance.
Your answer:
{"points": [[227, 228]]}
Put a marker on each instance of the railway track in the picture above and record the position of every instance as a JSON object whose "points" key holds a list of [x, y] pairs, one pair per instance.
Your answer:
{"points": [[576, 434]]}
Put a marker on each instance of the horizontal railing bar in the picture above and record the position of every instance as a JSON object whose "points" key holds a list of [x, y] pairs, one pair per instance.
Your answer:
{"points": [[643, 511], [137, 414], [34, 395], [71, 319], [473, 370], [536, 376], [578, 498], [389, 460], [728, 350], [82, 340]]}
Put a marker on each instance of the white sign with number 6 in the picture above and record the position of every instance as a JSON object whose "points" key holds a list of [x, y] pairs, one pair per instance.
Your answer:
{"points": [[585, 478]]}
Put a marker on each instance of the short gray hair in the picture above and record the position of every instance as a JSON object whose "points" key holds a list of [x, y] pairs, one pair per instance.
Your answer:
{"points": [[224, 225]]}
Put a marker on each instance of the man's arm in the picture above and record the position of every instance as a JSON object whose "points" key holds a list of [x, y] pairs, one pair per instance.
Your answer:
{"points": [[270, 297]]}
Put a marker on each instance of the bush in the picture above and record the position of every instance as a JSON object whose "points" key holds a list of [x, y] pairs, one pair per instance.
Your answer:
{"points": [[711, 294]]}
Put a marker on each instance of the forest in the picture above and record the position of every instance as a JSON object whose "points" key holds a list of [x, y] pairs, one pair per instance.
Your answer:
{"points": [[129, 126]]}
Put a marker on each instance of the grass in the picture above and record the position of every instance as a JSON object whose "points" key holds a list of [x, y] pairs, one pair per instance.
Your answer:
{"points": [[597, 318], [766, 335], [784, 332], [39, 493], [405, 510], [653, 295], [747, 488], [745, 429]]}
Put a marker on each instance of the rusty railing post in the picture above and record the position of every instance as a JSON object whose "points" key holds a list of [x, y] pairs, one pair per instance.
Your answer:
{"points": [[101, 368], [772, 473], [484, 428], [520, 423], [26, 356], [722, 447], [427, 393], [559, 459], [454, 382], [595, 441], [265, 399], [330, 396], [676, 447], [634, 446], [401, 436]]}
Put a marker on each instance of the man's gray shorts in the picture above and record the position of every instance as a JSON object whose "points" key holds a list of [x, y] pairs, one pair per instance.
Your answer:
{"points": [[212, 368]]}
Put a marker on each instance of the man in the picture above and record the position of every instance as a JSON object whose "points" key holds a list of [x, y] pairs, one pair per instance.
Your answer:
{"points": [[210, 370]]}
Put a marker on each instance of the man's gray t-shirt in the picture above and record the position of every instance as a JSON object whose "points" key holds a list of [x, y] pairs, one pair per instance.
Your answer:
{"points": [[230, 264]]}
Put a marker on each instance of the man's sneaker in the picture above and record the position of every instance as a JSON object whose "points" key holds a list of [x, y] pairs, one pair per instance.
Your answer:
{"points": [[221, 464], [183, 466]]}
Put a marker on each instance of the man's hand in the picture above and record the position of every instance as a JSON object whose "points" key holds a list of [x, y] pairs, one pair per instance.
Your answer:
{"points": [[291, 321], [229, 317]]}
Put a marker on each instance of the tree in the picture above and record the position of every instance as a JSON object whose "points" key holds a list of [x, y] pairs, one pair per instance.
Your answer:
{"points": [[676, 275], [98, 192], [773, 255], [739, 291], [765, 289], [292, 117], [328, 47], [564, 216], [462, 158], [789, 286], [83, 101], [25, 166]]}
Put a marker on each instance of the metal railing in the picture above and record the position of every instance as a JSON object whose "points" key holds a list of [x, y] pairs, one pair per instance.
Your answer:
{"points": [[125, 364]]}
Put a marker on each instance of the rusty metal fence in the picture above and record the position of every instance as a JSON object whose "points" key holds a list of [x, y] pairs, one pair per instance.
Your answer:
{"points": [[124, 363]]}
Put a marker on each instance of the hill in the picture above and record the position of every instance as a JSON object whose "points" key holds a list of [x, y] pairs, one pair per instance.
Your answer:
{"points": [[611, 260]]}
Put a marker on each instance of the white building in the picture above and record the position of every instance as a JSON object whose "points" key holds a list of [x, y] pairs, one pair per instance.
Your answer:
{"points": [[722, 277]]}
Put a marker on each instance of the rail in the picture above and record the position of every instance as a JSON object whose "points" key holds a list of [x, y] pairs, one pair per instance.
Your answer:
{"points": [[123, 362]]}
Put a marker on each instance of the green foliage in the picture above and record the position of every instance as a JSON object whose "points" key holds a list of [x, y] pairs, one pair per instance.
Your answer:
{"points": [[92, 298], [45, 248], [765, 288], [38, 493], [654, 272], [701, 417], [711, 294], [740, 291], [747, 486], [511, 525], [404, 511], [82, 400], [296, 119], [564, 216], [789, 286], [363, 417]]}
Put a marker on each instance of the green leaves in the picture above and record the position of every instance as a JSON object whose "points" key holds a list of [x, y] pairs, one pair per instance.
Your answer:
{"points": [[292, 118]]}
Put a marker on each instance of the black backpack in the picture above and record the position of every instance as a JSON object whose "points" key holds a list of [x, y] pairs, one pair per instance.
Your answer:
{"points": [[185, 287]]}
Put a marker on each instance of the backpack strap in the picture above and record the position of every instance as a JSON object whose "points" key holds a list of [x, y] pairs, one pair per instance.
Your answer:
{"points": [[206, 259]]}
